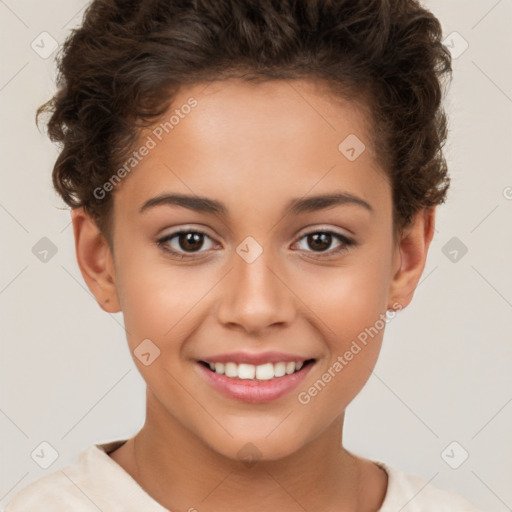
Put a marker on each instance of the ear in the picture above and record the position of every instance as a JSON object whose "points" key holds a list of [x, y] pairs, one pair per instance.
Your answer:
{"points": [[95, 260], [410, 257]]}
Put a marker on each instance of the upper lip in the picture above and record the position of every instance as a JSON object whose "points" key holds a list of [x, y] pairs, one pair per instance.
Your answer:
{"points": [[255, 359]]}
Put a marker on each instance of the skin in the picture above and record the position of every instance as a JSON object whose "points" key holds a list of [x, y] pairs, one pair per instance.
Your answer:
{"points": [[253, 147]]}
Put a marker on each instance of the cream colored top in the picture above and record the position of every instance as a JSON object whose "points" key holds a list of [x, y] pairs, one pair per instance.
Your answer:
{"points": [[96, 482]]}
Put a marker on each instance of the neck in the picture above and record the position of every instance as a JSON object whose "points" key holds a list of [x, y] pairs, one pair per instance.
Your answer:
{"points": [[181, 472]]}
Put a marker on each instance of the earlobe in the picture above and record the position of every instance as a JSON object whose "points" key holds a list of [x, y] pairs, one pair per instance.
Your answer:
{"points": [[95, 260], [410, 257]]}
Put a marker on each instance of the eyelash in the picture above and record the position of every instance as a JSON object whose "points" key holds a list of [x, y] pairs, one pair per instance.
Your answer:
{"points": [[347, 243]]}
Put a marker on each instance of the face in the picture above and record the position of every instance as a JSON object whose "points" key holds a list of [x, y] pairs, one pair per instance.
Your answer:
{"points": [[256, 273]]}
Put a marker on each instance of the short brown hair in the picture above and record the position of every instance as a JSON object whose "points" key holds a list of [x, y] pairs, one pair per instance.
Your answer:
{"points": [[119, 70]]}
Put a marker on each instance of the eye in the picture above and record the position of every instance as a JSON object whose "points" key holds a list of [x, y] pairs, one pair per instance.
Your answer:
{"points": [[184, 243], [320, 241]]}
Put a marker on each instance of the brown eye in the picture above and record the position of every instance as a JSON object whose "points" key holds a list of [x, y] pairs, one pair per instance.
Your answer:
{"points": [[185, 242], [320, 241], [190, 241]]}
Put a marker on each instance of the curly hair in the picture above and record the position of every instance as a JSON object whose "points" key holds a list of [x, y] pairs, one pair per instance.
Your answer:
{"points": [[118, 72]]}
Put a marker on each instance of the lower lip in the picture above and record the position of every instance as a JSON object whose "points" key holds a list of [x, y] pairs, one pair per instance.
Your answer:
{"points": [[255, 391]]}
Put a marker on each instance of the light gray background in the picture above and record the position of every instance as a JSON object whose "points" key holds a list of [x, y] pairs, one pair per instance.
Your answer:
{"points": [[444, 374]]}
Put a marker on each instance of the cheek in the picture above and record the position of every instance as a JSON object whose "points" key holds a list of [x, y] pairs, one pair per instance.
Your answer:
{"points": [[352, 310], [350, 298], [351, 305], [336, 384], [157, 297]]}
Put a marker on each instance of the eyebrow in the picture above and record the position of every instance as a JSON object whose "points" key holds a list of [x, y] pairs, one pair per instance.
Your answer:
{"points": [[294, 206]]}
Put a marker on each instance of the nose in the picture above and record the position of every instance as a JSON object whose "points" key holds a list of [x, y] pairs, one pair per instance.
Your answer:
{"points": [[254, 296]]}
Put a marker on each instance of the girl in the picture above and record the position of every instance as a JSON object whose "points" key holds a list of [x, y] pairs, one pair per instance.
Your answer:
{"points": [[253, 183]]}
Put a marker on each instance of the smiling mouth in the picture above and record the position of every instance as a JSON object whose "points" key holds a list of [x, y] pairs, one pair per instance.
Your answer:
{"points": [[262, 372]]}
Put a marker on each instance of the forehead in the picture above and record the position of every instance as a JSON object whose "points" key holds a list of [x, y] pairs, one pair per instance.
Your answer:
{"points": [[256, 142], [235, 116]]}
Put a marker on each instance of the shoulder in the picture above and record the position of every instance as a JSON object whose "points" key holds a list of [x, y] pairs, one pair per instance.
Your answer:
{"points": [[50, 492], [412, 493], [60, 490], [79, 487]]}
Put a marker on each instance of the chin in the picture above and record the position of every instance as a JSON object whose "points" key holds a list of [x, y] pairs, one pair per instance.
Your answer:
{"points": [[252, 445], [251, 451]]}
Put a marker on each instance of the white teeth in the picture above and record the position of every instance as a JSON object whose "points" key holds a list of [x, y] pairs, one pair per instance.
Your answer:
{"points": [[246, 371], [231, 370], [279, 369], [265, 371]]}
